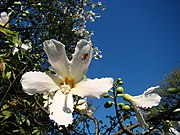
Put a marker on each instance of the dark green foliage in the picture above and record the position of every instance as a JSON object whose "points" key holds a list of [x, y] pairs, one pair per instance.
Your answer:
{"points": [[34, 22]]}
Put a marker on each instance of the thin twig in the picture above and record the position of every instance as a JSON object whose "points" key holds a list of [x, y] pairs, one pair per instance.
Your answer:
{"points": [[128, 129], [65, 130], [161, 116], [96, 124], [46, 111], [95, 121], [11, 83]]}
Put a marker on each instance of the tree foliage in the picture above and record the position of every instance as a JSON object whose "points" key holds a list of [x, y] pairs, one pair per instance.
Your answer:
{"points": [[32, 22]]}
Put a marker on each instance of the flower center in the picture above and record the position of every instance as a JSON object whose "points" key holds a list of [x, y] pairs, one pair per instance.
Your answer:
{"points": [[66, 85], [65, 89]]}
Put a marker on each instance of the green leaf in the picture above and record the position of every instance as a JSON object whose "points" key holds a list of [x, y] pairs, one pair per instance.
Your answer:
{"points": [[5, 114], [28, 122], [8, 75], [15, 131], [22, 131], [6, 31], [36, 132]]}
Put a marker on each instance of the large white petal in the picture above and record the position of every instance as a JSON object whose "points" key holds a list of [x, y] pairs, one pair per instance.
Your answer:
{"points": [[56, 53], [61, 108], [148, 98], [146, 101], [93, 88], [81, 60], [38, 82], [140, 118]]}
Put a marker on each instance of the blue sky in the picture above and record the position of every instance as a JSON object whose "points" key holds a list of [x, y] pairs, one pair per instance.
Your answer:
{"points": [[139, 40]]}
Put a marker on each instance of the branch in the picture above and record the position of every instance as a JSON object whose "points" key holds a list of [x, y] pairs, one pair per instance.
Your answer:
{"points": [[128, 129], [96, 124], [11, 84], [46, 111], [161, 116], [65, 131], [94, 119], [125, 130]]}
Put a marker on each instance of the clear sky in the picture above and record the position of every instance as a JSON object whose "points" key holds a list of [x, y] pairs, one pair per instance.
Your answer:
{"points": [[139, 40]]}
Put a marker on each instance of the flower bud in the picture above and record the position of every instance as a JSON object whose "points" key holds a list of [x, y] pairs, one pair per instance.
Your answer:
{"points": [[173, 90], [24, 14], [27, 12], [39, 4], [120, 90], [106, 95], [9, 8], [84, 77], [126, 107], [110, 91], [7, 42], [17, 3], [108, 104], [121, 104], [119, 81], [126, 97]]}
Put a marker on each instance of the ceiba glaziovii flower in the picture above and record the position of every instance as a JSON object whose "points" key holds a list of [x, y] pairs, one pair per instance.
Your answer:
{"points": [[68, 81], [147, 100]]}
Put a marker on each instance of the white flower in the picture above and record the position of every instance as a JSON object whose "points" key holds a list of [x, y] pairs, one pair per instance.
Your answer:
{"points": [[146, 100], [4, 18], [23, 47], [67, 81]]}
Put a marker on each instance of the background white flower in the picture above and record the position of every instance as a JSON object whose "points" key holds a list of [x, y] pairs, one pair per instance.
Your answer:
{"points": [[68, 81], [23, 47], [147, 100], [4, 18]]}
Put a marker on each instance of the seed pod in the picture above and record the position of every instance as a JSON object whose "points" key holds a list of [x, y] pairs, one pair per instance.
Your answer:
{"points": [[106, 95], [121, 104]]}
